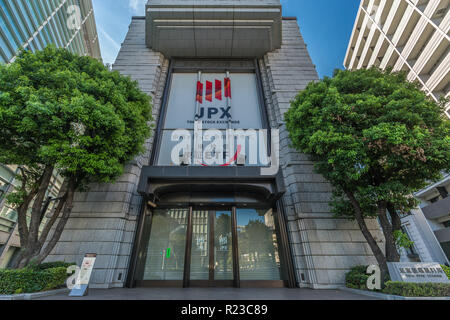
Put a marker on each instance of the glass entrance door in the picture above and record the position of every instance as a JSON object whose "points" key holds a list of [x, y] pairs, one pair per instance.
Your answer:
{"points": [[212, 248]]}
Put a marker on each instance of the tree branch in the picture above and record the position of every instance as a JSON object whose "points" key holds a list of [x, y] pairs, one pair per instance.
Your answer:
{"points": [[36, 209], [48, 226], [71, 186]]}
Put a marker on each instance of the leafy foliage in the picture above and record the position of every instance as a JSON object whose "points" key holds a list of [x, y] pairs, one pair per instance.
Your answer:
{"points": [[402, 240], [446, 270], [371, 132], [406, 289], [357, 278], [52, 265], [29, 280], [63, 112], [57, 108]]}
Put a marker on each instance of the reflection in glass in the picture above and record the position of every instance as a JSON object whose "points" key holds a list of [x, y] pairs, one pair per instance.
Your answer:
{"points": [[258, 247], [200, 245], [223, 260], [166, 249]]}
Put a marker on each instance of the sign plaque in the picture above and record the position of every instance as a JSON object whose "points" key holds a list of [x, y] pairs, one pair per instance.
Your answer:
{"points": [[418, 272], [82, 282]]}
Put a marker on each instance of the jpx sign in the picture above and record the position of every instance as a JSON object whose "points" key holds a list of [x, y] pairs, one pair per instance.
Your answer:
{"points": [[417, 272]]}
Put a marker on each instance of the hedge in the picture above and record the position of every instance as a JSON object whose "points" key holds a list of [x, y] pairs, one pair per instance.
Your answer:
{"points": [[357, 278], [408, 289], [446, 270], [30, 280], [52, 265]]}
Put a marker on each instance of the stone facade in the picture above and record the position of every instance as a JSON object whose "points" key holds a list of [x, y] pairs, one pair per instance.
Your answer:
{"points": [[323, 248]]}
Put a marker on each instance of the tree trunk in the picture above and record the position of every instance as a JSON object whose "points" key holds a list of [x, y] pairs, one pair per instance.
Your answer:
{"points": [[379, 256], [391, 246], [36, 209], [38, 258], [22, 223], [29, 242], [395, 218], [62, 196]]}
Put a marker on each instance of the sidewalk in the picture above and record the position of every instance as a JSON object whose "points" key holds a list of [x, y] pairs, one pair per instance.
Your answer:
{"points": [[232, 294]]}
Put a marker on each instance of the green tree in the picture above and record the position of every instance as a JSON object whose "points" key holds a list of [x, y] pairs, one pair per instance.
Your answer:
{"points": [[63, 113], [377, 138]]}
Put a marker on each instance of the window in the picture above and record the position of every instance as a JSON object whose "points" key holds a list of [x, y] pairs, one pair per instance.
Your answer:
{"points": [[209, 101], [411, 252], [258, 245], [166, 245], [7, 182]]}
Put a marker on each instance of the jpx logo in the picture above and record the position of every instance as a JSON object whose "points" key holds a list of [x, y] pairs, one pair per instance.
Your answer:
{"points": [[209, 113], [209, 90], [213, 92]]}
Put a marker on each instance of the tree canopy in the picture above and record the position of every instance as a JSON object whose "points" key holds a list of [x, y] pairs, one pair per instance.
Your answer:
{"points": [[60, 109], [375, 136], [63, 113]]}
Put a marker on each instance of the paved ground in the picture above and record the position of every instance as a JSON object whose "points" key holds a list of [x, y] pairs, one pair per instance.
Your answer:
{"points": [[213, 294]]}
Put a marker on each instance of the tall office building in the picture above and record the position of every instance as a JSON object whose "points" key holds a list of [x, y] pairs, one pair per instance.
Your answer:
{"points": [[412, 36], [408, 35], [32, 25], [189, 221]]}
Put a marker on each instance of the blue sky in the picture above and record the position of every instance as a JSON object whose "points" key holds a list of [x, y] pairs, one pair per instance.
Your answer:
{"points": [[326, 26]]}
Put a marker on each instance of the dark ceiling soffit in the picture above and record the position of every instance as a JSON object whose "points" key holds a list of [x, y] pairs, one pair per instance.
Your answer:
{"points": [[239, 175]]}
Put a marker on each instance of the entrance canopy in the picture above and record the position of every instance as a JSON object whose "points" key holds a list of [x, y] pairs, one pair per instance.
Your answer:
{"points": [[213, 28], [202, 185]]}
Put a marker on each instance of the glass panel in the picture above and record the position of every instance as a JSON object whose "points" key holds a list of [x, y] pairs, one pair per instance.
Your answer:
{"points": [[245, 110], [250, 144], [166, 249], [258, 247], [223, 268], [214, 111], [200, 245]]}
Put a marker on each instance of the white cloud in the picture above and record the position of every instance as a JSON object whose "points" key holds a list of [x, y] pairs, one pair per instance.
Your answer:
{"points": [[137, 6]]}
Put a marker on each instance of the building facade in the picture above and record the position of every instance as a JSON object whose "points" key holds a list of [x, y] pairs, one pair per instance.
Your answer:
{"points": [[407, 35], [224, 218], [411, 36], [32, 25], [432, 220]]}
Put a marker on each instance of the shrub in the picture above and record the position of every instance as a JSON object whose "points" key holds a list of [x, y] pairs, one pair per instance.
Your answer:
{"points": [[52, 265], [29, 280], [407, 289], [446, 270], [357, 278]]}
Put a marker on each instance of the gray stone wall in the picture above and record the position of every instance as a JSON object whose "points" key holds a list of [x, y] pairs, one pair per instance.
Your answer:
{"points": [[104, 219], [323, 248]]}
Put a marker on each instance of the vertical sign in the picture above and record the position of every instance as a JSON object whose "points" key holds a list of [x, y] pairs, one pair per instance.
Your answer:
{"points": [[84, 276]]}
